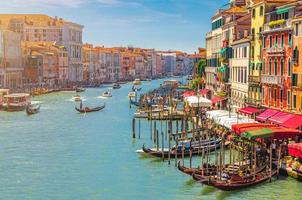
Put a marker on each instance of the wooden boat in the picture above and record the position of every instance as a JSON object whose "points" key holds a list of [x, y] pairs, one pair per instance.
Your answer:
{"points": [[107, 94], [80, 89], [236, 182], [190, 171], [87, 109], [32, 109], [229, 169], [116, 86], [196, 146]]}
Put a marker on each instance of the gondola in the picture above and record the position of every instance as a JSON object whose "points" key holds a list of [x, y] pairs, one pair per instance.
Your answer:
{"points": [[236, 182], [208, 170], [88, 110], [230, 168], [185, 149], [31, 109]]}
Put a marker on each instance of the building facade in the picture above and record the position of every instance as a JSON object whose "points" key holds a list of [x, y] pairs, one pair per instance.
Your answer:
{"points": [[11, 68]]}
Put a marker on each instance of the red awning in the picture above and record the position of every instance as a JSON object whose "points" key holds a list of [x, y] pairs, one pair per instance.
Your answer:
{"points": [[293, 122], [189, 93], [285, 133], [241, 128], [249, 110], [217, 100], [281, 117], [266, 114], [295, 150], [204, 91]]}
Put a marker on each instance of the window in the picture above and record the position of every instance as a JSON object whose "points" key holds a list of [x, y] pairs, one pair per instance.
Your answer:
{"points": [[245, 52], [275, 96], [288, 99], [270, 41], [289, 67], [261, 10], [270, 67], [282, 67], [297, 29], [281, 97], [260, 30], [253, 33], [276, 41], [263, 67], [269, 96], [254, 13], [290, 39], [276, 67], [282, 40], [296, 55], [263, 42]]}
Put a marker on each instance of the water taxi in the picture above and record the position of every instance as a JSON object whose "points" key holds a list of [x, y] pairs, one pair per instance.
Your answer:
{"points": [[15, 102], [137, 82]]}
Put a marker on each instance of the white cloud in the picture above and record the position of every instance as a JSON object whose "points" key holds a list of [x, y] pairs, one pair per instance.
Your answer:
{"points": [[118, 3], [44, 3]]}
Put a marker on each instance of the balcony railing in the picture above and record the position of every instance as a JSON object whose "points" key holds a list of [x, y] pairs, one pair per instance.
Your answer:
{"points": [[272, 79], [276, 50], [254, 79], [277, 24]]}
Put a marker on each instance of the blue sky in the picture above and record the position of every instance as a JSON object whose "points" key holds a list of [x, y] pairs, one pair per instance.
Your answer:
{"points": [[160, 24]]}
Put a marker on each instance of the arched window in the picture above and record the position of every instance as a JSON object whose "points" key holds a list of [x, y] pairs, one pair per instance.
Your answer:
{"points": [[282, 67], [270, 67], [289, 67], [261, 10], [276, 67], [263, 66]]}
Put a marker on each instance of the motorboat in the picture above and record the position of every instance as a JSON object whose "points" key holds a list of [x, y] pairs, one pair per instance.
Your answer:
{"points": [[137, 82], [32, 109], [116, 86], [107, 94], [77, 98], [132, 94]]}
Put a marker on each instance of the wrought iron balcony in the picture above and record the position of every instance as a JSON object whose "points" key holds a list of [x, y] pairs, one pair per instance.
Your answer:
{"points": [[272, 79]]}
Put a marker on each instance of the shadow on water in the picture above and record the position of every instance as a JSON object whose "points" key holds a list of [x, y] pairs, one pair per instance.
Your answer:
{"points": [[207, 190], [189, 183], [221, 195]]}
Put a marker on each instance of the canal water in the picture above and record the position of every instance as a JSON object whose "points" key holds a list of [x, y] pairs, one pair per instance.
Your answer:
{"points": [[60, 154]]}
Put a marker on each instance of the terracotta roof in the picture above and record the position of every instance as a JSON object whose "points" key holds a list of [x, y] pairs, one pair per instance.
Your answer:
{"points": [[236, 9], [31, 19]]}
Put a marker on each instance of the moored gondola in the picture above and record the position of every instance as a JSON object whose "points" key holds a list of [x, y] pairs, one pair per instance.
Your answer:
{"points": [[196, 148], [236, 182], [88, 110]]}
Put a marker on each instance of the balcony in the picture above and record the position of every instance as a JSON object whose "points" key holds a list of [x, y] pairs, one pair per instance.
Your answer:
{"points": [[254, 79], [276, 51], [297, 87], [272, 79], [277, 25]]}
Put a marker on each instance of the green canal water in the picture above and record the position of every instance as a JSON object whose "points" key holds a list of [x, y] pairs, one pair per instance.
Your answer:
{"points": [[60, 154]]}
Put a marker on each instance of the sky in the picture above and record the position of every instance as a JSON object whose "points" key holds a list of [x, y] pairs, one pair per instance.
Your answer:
{"points": [[160, 24]]}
